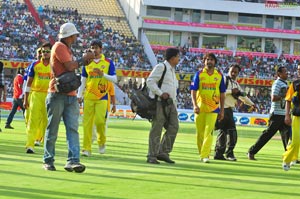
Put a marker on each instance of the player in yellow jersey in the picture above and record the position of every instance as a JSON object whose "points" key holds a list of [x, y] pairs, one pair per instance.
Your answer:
{"points": [[292, 118], [95, 81], [38, 57], [101, 137], [208, 95], [37, 85]]}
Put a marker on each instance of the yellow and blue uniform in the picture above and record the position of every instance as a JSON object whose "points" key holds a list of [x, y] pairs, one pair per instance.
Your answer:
{"points": [[208, 89], [96, 100], [292, 150], [37, 118], [25, 77]]}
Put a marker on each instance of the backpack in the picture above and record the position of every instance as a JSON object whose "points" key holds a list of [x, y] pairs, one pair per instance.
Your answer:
{"points": [[142, 104]]}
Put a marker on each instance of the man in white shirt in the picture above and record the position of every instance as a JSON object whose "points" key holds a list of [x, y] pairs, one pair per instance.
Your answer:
{"points": [[166, 111]]}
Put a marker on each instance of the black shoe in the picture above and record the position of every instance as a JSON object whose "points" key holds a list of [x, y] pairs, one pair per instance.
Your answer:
{"points": [[7, 126], [77, 167], [49, 167], [251, 156], [297, 162], [165, 158], [231, 158], [152, 161], [29, 150], [219, 158]]}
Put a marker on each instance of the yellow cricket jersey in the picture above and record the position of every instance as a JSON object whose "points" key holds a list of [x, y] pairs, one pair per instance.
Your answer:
{"points": [[97, 86], [292, 95], [41, 76], [208, 89], [111, 92]]}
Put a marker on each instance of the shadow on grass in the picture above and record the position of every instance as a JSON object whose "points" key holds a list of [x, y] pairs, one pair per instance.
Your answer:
{"points": [[21, 192]]}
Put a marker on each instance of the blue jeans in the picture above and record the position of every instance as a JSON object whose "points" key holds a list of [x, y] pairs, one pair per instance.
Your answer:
{"points": [[16, 103], [66, 107]]}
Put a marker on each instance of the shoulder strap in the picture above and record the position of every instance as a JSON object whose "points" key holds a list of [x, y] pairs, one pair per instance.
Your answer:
{"points": [[227, 81], [162, 77], [161, 80]]}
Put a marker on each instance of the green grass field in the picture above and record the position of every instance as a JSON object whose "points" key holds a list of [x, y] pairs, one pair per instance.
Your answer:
{"points": [[123, 172]]}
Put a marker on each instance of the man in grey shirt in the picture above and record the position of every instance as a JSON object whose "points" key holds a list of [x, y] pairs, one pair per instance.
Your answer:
{"points": [[166, 111], [277, 114]]}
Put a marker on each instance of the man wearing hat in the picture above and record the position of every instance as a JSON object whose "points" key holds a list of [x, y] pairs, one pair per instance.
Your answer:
{"points": [[63, 105]]}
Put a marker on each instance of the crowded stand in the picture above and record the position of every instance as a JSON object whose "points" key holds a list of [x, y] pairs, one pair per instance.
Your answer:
{"points": [[20, 36]]}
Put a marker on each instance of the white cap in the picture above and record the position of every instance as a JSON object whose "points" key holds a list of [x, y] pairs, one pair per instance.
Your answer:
{"points": [[67, 30]]}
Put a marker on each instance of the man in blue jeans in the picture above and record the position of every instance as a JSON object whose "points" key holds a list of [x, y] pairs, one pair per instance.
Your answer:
{"points": [[63, 105]]}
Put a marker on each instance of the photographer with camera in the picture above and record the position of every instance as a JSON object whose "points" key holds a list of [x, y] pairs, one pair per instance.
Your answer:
{"points": [[277, 114], [227, 129], [166, 111], [292, 118]]}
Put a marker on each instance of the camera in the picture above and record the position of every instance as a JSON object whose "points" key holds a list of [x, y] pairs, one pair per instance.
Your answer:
{"points": [[282, 92], [167, 102], [238, 94]]}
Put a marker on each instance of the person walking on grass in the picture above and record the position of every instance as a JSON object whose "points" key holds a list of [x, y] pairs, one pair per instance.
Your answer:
{"points": [[166, 109], [227, 129], [63, 105], [17, 97], [208, 95], [96, 78], [292, 118], [37, 85], [277, 115], [25, 77]]}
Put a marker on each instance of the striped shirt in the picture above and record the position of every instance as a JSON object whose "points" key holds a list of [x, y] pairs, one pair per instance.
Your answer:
{"points": [[279, 88]]}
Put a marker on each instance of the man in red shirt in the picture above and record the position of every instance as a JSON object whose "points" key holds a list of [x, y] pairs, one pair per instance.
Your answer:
{"points": [[17, 98]]}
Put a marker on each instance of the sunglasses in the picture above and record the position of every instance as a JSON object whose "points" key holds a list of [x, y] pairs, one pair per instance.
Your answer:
{"points": [[46, 51]]}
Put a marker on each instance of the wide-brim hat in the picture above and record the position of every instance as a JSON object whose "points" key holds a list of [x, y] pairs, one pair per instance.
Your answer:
{"points": [[67, 30]]}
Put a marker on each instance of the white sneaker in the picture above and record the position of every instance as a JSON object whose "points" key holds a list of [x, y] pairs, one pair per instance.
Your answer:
{"points": [[37, 143], [286, 166], [205, 160], [102, 149], [85, 153], [293, 163]]}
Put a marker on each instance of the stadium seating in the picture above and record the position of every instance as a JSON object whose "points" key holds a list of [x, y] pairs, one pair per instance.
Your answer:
{"points": [[110, 8], [121, 46]]}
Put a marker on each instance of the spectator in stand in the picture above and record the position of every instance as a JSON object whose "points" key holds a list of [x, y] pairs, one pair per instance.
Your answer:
{"points": [[277, 114], [17, 98], [208, 95]]}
